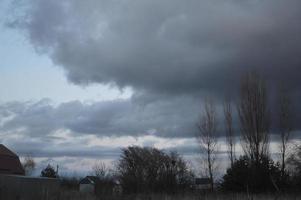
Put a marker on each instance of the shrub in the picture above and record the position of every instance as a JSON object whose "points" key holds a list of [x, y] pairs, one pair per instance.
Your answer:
{"points": [[49, 172], [248, 176]]}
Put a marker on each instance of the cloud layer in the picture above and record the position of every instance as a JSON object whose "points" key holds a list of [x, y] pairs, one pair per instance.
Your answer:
{"points": [[107, 118], [167, 46], [171, 53]]}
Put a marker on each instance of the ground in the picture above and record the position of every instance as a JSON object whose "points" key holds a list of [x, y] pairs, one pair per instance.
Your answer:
{"points": [[77, 196]]}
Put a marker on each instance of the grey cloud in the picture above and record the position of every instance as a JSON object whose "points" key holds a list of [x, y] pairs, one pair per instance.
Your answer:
{"points": [[164, 50], [158, 48], [107, 118], [167, 46], [84, 152], [161, 117]]}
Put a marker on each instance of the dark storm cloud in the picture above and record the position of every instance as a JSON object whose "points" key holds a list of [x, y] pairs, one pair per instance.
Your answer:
{"points": [[169, 46], [171, 52]]}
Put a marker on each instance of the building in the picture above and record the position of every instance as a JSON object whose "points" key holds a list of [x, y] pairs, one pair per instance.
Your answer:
{"points": [[202, 183], [9, 162]]}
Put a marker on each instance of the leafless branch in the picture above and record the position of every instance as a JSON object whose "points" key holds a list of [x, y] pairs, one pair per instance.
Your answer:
{"points": [[254, 117], [207, 138]]}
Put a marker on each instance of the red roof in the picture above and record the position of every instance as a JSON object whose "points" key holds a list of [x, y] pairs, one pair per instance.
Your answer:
{"points": [[9, 162]]}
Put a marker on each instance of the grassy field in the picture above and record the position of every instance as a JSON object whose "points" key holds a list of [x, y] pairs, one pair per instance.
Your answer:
{"points": [[78, 196]]}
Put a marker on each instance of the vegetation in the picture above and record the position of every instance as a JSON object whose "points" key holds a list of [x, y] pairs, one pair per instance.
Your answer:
{"points": [[100, 170], [285, 124], [209, 196], [248, 176], [294, 162], [254, 117], [49, 172], [230, 137], [69, 183], [146, 170], [207, 138], [29, 165], [106, 179]]}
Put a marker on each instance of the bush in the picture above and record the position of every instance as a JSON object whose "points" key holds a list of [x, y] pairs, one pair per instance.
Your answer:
{"points": [[49, 172], [248, 176], [151, 170]]}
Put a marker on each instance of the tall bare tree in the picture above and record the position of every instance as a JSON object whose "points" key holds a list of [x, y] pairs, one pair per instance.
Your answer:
{"points": [[285, 124], [254, 116], [207, 137], [230, 138]]}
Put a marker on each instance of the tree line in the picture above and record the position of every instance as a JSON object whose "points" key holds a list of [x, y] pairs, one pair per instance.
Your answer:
{"points": [[254, 170]]}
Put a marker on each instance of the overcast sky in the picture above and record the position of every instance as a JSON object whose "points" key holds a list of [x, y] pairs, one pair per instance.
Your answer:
{"points": [[81, 79]]}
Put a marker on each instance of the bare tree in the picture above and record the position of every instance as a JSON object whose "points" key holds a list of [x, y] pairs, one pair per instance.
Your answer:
{"points": [[285, 124], [254, 117], [207, 137], [230, 138], [100, 170], [29, 165]]}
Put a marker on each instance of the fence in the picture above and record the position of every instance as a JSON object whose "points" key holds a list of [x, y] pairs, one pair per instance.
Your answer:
{"points": [[28, 188]]}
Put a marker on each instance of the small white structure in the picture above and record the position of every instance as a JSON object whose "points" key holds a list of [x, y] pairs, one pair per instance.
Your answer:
{"points": [[88, 184]]}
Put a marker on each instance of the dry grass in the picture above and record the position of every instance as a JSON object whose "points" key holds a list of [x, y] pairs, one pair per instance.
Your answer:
{"points": [[78, 196]]}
